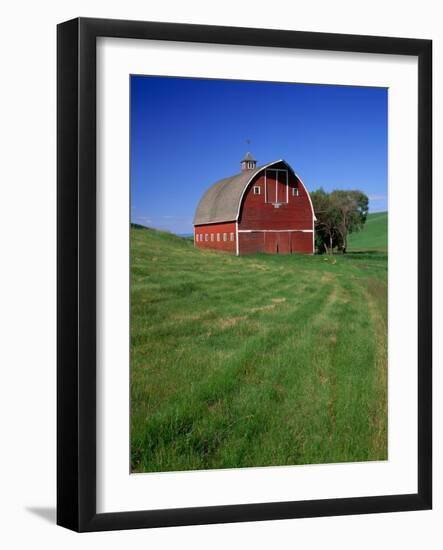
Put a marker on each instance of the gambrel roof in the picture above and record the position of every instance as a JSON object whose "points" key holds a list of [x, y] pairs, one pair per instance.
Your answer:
{"points": [[221, 202]]}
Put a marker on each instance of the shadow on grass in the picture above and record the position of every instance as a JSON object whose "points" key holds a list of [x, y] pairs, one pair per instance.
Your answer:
{"points": [[365, 252], [366, 255]]}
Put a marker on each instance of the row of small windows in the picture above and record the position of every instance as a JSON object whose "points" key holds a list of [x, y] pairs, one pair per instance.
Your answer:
{"points": [[214, 236], [257, 190]]}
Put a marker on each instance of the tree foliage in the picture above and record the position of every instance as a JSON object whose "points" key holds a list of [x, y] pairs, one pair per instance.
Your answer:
{"points": [[338, 213]]}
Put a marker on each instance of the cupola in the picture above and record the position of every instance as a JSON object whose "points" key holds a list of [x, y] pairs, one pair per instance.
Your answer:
{"points": [[248, 162]]}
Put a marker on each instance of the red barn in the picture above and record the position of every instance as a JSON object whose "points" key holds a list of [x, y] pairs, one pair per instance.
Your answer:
{"points": [[261, 209]]}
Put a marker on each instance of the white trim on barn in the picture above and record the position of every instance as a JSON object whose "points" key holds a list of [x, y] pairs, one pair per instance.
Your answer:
{"points": [[265, 168], [275, 230], [249, 181], [313, 234], [306, 191], [277, 170]]}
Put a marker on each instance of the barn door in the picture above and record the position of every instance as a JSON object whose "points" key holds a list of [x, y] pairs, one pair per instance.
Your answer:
{"points": [[284, 243], [298, 243], [271, 186], [282, 186], [276, 186], [271, 243]]}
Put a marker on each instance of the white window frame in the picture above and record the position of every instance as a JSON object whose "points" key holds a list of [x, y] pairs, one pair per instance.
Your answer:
{"points": [[295, 192], [257, 190], [232, 236], [276, 185], [212, 237], [206, 237], [225, 237]]}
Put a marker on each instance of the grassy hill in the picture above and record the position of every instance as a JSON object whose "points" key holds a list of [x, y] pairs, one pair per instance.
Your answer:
{"points": [[257, 360], [374, 235]]}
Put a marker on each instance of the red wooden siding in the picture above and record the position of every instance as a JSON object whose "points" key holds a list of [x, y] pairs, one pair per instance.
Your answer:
{"points": [[275, 242], [284, 243], [251, 243], [209, 233], [271, 242], [302, 242]]}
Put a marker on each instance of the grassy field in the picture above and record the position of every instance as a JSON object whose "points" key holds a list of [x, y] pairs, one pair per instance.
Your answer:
{"points": [[259, 360], [374, 235]]}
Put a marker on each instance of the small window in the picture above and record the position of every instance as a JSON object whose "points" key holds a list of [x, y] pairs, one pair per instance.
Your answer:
{"points": [[225, 237], [206, 237], [257, 190], [212, 237], [218, 237], [295, 191], [232, 236]]}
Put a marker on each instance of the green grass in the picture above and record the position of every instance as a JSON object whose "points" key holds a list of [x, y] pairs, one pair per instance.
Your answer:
{"points": [[257, 360], [373, 236]]}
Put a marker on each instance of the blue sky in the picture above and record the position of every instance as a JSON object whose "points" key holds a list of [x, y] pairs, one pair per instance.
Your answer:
{"points": [[188, 133]]}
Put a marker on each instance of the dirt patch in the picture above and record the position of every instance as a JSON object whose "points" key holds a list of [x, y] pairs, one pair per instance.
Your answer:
{"points": [[333, 297], [327, 277], [260, 266], [189, 316], [229, 322], [263, 308], [215, 407], [275, 303]]}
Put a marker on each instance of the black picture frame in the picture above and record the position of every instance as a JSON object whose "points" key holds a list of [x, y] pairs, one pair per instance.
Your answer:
{"points": [[76, 279]]}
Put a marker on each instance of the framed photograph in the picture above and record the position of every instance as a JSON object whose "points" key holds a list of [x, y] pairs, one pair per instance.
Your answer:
{"points": [[244, 274]]}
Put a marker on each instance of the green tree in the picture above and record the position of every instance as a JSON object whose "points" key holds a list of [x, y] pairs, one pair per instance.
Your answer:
{"points": [[327, 220], [352, 207], [338, 213]]}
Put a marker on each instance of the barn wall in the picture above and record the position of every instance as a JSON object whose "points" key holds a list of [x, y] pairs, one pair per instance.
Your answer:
{"points": [[302, 242], [211, 232], [256, 213], [251, 243], [275, 242]]}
